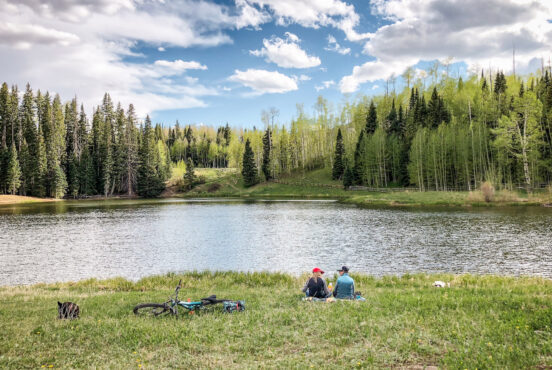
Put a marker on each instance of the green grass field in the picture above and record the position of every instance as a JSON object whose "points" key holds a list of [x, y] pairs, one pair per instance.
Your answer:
{"points": [[479, 322], [318, 184]]}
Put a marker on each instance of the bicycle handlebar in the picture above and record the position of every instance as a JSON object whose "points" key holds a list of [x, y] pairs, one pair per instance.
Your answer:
{"points": [[178, 288]]}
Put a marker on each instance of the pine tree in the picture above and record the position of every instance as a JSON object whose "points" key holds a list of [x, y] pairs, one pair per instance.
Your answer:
{"points": [[189, 176], [359, 162], [348, 176], [13, 171], [393, 120], [149, 183], [130, 163], [371, 119], [72, 149], [249, 170], [4, 124], [267, 146], [39, 187], [338, 164]]}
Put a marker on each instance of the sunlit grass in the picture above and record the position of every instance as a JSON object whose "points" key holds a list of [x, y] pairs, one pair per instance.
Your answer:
{"points": [[479, 322]]}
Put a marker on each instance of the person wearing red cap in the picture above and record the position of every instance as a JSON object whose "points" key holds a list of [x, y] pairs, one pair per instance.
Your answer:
{"points": [[316, 285]]}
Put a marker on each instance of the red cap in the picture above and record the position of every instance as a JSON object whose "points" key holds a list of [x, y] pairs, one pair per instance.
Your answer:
{"points": [[316, 269]]}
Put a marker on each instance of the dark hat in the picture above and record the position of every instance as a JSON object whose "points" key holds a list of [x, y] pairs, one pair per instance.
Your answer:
{"points": [[344, 269]]}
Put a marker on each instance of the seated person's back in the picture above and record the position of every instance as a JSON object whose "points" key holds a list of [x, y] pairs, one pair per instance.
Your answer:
{"points": [[316, 285], [345, 285]]}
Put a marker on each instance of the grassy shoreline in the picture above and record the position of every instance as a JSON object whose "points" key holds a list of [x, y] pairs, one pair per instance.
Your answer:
{"points": [[479, 322], [317, 184]]}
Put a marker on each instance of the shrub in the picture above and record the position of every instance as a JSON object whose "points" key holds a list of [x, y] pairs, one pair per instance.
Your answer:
{"points": [[214, 187], [488, 191]]}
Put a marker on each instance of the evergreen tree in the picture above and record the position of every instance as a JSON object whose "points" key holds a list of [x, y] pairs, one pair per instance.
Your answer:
{"points": [[29, 160], [13, 172], [393, 120], [149, 183], [130, 163], [348, 177], [39, 187], [189, 176], [72, 149], [4, 125], [371, 119], [249, 169], [267, 146], [339, 154], [359, 166]]}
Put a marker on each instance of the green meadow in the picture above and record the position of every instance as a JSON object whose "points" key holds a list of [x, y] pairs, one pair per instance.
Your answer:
{"points": [[318, 184], [477, 322]]}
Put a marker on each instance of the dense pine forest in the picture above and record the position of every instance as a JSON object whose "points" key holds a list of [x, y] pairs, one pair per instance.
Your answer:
{"points": [[450, 135]]}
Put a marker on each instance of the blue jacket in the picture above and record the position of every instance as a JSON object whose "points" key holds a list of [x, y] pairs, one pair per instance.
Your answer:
{"points": [[344, 287]]}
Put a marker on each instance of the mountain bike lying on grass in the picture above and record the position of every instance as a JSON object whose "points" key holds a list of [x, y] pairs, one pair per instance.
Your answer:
{"points": [[171, 306]]}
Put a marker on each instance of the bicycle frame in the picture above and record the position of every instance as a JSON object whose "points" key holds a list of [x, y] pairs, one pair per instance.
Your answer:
{"points": [[190, 306]]}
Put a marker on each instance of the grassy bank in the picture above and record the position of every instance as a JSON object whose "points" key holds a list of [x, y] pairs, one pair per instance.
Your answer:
{"points": [[318, 184], [18, 199], [479, 322]]}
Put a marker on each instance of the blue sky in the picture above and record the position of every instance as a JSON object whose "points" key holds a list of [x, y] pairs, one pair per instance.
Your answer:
{"points": [[213, 62]]}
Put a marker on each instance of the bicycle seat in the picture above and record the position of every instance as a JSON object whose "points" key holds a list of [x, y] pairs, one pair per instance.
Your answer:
{"points": [[211, 299]]}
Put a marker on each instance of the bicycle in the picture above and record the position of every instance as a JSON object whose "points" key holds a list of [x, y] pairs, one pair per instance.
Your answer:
{"points": [[170, 307]]}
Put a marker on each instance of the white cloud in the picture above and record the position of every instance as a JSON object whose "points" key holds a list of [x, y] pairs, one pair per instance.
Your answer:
{"points": [[304, 78], [73, 11], [249, 15], [325, 85], [23, 36], [262, 81], [316, 13], [334, 46], [286, 52], [375, 87], [81, 47], [179, 65], [471, 31], [161, 49]]}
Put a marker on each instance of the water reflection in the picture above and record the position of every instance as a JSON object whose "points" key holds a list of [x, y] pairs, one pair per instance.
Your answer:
{"points": [[76, 240]]}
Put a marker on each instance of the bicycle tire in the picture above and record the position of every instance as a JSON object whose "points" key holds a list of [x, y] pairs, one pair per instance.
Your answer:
{"points": [[152, 309]]}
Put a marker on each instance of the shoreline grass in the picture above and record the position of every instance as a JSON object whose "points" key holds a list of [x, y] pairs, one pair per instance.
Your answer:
{"points": [[479, 322], [317, 184], [20, 199]]}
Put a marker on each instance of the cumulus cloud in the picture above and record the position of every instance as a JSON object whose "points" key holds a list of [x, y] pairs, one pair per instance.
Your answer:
{"points": [[471, 31], [286, 52], [334, 46], [262, 81], [316, 13], [249, 16], [81, 48]]}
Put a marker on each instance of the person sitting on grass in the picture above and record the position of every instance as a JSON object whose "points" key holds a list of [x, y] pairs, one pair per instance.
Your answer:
{"points": [[316, 285], [345, 285]]}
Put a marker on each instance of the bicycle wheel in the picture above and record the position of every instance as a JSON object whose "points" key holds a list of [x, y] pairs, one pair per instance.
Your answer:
{"points": [[153, 309]]}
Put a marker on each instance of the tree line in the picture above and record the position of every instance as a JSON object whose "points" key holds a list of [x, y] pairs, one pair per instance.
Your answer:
{"points": [[455, 136], [452, 135]]}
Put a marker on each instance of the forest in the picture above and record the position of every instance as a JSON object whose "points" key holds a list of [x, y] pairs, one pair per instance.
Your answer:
{"points": [[453, 134]]}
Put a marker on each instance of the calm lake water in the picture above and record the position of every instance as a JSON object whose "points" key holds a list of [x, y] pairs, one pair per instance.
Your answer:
{"points": [[78, 240]]}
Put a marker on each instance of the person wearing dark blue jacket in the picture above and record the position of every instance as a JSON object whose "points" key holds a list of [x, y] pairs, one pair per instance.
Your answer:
{"points": [[345, 285], [316, 286]]}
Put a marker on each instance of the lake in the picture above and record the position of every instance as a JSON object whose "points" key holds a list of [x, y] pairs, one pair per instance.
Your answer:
{"points": [[68, 241]]}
